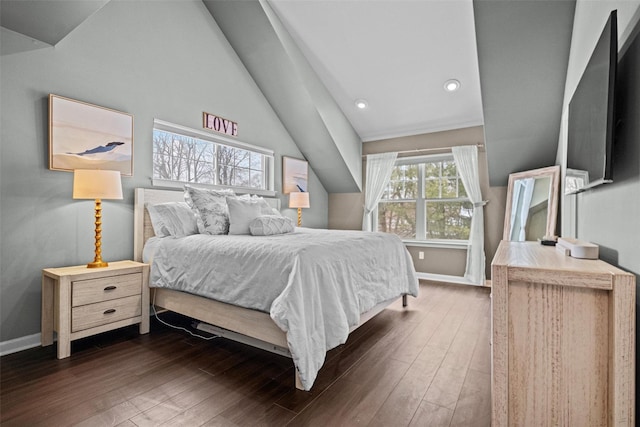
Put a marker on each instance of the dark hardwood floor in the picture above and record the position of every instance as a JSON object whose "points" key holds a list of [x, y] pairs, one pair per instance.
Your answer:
{"points": [[427, 365]]}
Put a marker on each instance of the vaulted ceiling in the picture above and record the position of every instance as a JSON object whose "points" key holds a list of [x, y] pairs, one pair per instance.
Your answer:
{"points": [[313, 59], [396, 55], [523, 53], [36, 24]]}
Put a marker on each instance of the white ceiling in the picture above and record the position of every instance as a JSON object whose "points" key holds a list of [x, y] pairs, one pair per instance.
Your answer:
{"points": [[395, 54]]}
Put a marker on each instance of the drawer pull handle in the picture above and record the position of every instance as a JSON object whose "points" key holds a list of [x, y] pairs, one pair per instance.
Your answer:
{"points": [[111, 310], [109, 288]]}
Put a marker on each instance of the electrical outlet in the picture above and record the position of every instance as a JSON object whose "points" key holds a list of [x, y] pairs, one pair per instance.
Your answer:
{"points": [[421, 255]]}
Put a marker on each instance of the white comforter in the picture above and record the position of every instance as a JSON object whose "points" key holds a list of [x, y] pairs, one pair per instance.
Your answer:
{"points": [[313, 283]]}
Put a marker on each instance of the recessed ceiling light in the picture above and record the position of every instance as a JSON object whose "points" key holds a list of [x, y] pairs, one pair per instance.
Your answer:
{"points": [[361, 104], [451, 85]]}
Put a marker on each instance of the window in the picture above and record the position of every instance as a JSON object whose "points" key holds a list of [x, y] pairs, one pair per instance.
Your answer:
{"points": [[425, 200], [183, 155]]}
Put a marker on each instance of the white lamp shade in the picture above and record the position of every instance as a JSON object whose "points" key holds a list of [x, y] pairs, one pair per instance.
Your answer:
{"points": [[96, 184], [298, 200]]}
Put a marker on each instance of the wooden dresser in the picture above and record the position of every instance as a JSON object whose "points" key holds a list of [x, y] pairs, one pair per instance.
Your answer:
{"points": [[563, 339]]}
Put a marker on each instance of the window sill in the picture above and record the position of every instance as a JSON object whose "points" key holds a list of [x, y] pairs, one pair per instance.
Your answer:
{"points": [[444, 244], [156, 182]]}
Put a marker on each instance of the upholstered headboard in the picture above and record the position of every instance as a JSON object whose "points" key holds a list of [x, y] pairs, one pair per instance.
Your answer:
{"points": [[142, 228]]}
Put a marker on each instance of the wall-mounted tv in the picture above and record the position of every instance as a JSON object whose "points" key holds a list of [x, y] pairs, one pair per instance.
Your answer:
{"points": [[591, 129]]}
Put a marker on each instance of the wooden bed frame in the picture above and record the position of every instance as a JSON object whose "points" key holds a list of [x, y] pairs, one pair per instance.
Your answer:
{"points": [[240, 324]]}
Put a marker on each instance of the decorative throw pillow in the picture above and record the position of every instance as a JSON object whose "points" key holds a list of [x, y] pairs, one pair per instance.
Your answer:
{"points": [[241, 213], [265, 208], [210, 207], [267, 225], [172, 219]]}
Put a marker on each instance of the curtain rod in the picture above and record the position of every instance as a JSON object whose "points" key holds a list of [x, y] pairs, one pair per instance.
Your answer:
{"points": [[480, 146]]}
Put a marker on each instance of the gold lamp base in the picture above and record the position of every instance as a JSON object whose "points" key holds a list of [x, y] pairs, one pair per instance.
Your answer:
{"points": [[299, 217], [98, 264], [97, 260]]}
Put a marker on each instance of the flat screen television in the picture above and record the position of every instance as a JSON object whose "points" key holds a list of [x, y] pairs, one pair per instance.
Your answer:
{"points": [[591, 129]]}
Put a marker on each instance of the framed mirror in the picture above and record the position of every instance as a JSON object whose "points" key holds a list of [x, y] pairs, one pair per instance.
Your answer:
{"points": [[532, 204]]}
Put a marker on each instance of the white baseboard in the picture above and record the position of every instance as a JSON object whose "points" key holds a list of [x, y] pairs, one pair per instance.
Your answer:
{"points": [[24, 343], [18, 344]]}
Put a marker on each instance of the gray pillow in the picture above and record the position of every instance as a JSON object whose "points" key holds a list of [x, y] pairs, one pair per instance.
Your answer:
{"points": [[172, 219], [210, 208], [241, 213], [268, 225]]}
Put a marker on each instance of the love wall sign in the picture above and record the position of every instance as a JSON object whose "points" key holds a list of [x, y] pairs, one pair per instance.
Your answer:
{"points": [[220, 124]]}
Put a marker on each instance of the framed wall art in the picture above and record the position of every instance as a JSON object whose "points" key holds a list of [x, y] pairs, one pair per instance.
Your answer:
{"points": [[86, 136], [295, 175]]}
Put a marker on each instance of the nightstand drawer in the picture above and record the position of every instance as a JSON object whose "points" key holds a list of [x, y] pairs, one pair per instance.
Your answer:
{"points": [[102, 313], [105, 288]]}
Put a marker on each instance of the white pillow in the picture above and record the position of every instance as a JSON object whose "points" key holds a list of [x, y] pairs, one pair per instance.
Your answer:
{"points": [[267, 225], [241, 213], [172, 219], [265, 208], [210, 207]]}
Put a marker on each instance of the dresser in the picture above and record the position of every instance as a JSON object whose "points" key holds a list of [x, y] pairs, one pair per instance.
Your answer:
{"points": [[78, 302], [563, 339]]}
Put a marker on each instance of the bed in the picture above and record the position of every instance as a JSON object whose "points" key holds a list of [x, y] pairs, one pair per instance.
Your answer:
{"points": [[315, 312]]}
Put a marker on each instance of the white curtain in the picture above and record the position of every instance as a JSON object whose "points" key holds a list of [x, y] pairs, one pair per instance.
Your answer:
{"points": [[379, 167], [466, 158]]}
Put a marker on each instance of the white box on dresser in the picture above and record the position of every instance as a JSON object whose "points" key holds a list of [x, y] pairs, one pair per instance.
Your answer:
{"points": [[577, 248], [78, 302], [563, 339]]}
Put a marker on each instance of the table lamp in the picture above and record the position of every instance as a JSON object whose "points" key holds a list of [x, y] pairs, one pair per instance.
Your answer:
{"points": [[299, 200], [98, 185]]}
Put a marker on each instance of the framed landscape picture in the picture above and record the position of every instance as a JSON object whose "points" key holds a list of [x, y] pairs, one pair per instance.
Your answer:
{"points": [[86, 136], [295, 175]]}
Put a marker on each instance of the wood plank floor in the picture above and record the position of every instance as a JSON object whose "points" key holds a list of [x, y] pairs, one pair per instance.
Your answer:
{"points": [[427, 365]]}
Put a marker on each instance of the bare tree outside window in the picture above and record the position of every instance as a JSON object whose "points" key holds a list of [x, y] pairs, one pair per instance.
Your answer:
{"points": [[225, 159], [182, 158], [187, 159]]}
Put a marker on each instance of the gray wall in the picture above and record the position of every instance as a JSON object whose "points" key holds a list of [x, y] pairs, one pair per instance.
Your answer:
{"points": [[609, 215], [522, 56], [165, 60]]}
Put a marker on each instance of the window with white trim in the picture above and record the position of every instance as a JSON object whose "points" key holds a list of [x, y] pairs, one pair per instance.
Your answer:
{"points": [[183, 155], [425, 200]]}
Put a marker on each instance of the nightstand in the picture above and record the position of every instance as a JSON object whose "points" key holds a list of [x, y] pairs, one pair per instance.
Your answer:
{"points": [[78, 302]]}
